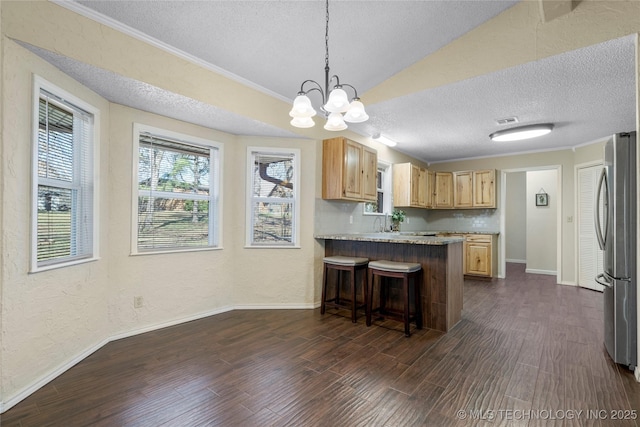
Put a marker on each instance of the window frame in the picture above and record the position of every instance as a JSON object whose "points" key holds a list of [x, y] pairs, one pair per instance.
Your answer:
{"points": [[215, 188], [295, 221], [39, 85], [387, 195]]}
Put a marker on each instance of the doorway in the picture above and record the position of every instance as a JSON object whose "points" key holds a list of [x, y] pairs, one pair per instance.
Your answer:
{"points": [[537, 240]]}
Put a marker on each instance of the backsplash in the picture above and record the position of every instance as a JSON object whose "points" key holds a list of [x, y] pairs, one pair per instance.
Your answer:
{"points": [[464, 220], [333, 217]]}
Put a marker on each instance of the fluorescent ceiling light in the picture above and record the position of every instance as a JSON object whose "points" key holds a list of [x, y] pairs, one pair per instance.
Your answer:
{"points": [[522, 132], [384, 140]]}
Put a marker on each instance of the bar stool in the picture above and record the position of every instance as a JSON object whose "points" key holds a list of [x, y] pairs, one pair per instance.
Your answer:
{"points": [[396, 270], [340, 264]]}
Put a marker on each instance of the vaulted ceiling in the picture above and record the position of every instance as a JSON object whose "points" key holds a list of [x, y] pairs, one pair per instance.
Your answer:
{"points": [[275, 45]]}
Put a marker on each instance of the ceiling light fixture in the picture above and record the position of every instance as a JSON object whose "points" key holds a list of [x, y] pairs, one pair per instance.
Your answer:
{"points": [[336, 99], [384, 140], [522, 132]]}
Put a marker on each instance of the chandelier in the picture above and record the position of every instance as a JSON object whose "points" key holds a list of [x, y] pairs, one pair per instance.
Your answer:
{"points": [[335, 101]]}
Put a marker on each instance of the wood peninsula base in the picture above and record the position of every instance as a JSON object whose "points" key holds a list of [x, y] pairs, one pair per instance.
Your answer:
{"points": [[442, 278]]}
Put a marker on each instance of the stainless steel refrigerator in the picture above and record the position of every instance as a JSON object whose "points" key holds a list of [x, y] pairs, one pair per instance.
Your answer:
{"points": [[615, 217]]}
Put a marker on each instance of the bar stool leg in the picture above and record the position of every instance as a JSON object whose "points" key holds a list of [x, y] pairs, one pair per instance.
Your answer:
{"points": [[338, 286], [369, 297], [383, 282], [353, 295], [405, 292], [416, 288], [324, 289]]}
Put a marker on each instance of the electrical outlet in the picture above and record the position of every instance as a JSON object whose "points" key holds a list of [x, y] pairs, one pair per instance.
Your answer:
{"points": [[569, 219], [138, 302], [350, 219], [408, 220]]}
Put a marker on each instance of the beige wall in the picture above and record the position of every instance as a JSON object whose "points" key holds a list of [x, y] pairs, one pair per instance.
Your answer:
{"points": [[516, 217], [52, 319], [542, 226]]}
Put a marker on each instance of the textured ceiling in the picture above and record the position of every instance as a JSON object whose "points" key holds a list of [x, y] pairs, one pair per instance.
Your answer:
{"points": [[275, 45]]}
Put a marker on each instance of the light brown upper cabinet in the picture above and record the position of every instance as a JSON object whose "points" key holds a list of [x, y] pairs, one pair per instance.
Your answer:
{"points": [[348, 170], [474, 189], [443, 197], [425, 188], [463, 189], [484, 188], [411, 186]]}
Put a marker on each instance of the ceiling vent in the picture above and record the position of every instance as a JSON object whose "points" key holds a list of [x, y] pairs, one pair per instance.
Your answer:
{"points": [[507, 121]]}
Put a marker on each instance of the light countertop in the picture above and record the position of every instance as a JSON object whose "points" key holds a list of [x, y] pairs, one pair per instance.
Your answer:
{"points": [[412, 238]]}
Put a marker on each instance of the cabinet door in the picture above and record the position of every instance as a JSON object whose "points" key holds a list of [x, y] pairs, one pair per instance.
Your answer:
{"points": [[444, 190], [369, 176], [478, 258], [352, 170], [415, 186], [402, 185], [484, 188], [462, 190], [430, 188], [423, 179]]}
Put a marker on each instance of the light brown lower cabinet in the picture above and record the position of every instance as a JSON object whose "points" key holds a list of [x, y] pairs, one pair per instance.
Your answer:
{"points": [[478, 250], [479, 254]]}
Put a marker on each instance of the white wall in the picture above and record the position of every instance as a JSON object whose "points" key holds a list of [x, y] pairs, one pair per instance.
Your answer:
{"points": [[516, 217], [542, 229]]}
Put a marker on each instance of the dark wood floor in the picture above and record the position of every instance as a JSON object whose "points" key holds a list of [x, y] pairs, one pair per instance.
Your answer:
{"points": [[527, 349]]}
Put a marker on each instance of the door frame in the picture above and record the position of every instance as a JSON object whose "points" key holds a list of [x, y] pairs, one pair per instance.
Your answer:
{"points": [[502, 264]]}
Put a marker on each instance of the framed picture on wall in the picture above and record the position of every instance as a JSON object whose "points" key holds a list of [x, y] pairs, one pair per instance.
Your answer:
{"points": [[542, 199]]}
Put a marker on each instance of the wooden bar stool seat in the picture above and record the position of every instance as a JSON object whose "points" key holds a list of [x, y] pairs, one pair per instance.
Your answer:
{"points": [[408, 272], [340, 264]]}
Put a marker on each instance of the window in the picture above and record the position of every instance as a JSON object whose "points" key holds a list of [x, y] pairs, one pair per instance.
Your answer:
{"points": [[272, 217], [178, 192], [63, 179], [383, 184]]}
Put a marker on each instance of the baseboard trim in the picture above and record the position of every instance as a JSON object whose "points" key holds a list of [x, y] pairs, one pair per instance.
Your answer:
{"points": [[169, 323], [29, 390], [547, 272], [565, 283], [276, 306], [516, 261]]}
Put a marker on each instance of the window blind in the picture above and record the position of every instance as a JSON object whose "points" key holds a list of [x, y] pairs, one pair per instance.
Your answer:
{"points": [[176, 205], [65, 181]]}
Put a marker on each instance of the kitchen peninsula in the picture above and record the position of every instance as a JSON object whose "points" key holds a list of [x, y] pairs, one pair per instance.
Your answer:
{"points": [[441, 260]]}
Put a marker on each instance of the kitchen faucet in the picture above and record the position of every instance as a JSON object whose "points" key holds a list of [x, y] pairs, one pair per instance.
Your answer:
{"points": [[380, 227]]}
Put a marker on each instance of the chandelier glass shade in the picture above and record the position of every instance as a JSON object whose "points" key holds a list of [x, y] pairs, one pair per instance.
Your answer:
{"points": [[335, 100]]}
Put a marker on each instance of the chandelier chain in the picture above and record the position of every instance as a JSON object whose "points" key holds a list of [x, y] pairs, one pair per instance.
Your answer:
{"points": [[326, 38], [335, 102]]}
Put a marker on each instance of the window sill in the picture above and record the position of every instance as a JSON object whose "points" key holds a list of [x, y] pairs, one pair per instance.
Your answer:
{"points": [[175, 251], [63, 264]]}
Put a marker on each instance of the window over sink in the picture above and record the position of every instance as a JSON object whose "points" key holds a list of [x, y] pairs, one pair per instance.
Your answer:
{"points": [[383, 204]]}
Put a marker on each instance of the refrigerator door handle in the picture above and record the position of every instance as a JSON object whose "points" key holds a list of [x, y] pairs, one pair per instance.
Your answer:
{"points": [[602, 182], [602, 279]]}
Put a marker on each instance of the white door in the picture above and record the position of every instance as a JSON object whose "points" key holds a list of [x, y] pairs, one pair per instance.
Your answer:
{"points": [[590, 257]]}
